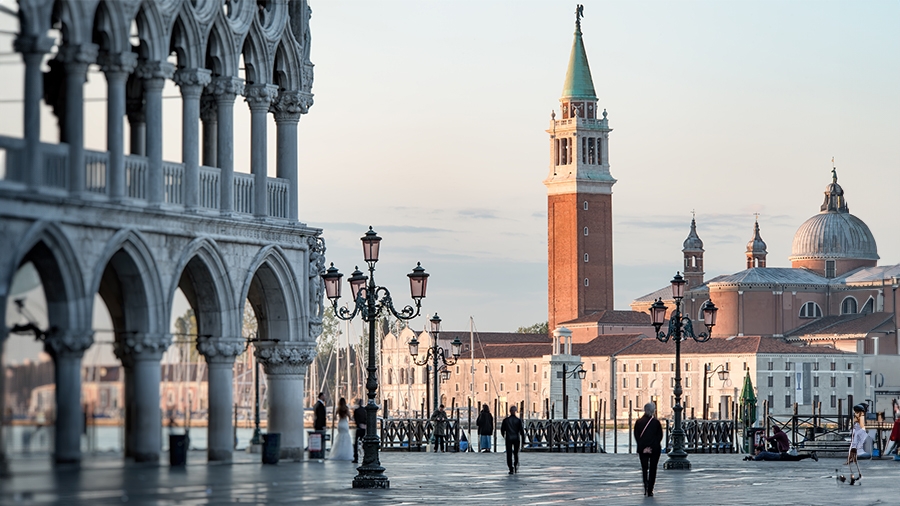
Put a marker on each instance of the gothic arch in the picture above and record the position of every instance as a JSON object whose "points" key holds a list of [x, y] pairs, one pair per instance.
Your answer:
{"points": [[221, 57], [51, 252], [257, 68], [202, 275], [188, 41], [127, 262], [272, 290], [152, 32], [286, 67], [75, 18]]}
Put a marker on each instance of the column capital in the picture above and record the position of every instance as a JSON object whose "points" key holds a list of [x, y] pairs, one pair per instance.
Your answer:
{"points": [[192, 81], [33, 44], [69, 342], [285, 357], [77, 57], [225, 87], [208, 109], [117, 63], [133, 346], [291, 104], [260, 96], [154, 73], [220, 349]]}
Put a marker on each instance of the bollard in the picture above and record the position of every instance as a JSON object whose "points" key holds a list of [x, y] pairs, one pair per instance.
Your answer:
{"points": [[271, 448]]}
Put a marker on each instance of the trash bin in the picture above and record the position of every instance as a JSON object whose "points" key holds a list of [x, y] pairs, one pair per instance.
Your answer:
{"points": [[316, 444], [177, 449], [271, 448]]}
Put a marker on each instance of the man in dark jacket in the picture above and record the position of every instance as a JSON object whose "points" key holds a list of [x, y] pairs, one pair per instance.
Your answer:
{"points": [[319, 422], [485, 423], [514, 434], [648, 434], [782, 443], [359, 418]]}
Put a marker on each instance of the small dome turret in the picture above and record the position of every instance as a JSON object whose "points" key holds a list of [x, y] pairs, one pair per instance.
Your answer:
{"points": [[756, 249]]}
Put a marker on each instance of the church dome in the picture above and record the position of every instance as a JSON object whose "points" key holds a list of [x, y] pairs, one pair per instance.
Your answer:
{"points": [[834, 233], [756, 245], [693, 242]]}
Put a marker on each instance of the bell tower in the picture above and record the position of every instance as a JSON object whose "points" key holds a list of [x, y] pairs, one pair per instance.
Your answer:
{"points": [[693, 257], [579, 197]]}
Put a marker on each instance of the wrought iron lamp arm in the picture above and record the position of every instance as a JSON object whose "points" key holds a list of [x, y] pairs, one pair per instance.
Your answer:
{"points": [[681, 327], [435, 352]]}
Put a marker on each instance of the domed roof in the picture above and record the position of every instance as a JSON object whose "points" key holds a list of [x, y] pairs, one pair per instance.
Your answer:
{"points": [[693, 242], [756, 245], [834, 232]]}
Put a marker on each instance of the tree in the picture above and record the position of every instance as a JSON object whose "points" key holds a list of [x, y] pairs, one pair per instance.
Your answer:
{"points": [[537, 328]]}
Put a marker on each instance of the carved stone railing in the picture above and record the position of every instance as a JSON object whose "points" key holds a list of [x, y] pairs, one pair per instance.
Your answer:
{"points": [[279, 197], [173, 182], [54, 160], [209, 187]]}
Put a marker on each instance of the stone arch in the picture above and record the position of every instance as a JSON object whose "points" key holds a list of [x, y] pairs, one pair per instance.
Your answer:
{"points": [[202, 275], [151, 32], [111, 27], [257, 67], [221, 58], [127, 261], [273, 293], [49, 249], [286, 67], [75, 18], [187, 40]]}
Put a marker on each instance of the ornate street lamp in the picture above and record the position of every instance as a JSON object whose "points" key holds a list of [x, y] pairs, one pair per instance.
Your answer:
{"points": [[578, 371], [707, 372], [370, 299], [437, 354], [680, 328]]}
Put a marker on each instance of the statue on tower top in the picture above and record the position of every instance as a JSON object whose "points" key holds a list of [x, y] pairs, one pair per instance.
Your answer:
{"points": [[579, 13]]}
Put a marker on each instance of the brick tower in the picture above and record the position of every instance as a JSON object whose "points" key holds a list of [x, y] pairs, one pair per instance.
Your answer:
{"points": [[579, 198]]}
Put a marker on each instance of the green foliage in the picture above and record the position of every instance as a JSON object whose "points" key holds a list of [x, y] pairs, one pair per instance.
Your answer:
{"points": [[537, 328]]}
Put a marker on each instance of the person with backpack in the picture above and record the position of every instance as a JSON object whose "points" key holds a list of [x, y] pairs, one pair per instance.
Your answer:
{"points": [[513, 433], [648, 434]]}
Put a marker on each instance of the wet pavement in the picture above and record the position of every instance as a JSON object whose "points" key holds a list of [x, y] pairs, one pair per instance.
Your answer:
{"points": [[445, 478]]}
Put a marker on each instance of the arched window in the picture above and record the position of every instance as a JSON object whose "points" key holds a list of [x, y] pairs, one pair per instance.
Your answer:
{"points": [[848, 306], [586, 282], [585, 231], [390, 376], [810, 310], [586, 258], [869, 307], [402, 376], [585, 205], [700, 314]]}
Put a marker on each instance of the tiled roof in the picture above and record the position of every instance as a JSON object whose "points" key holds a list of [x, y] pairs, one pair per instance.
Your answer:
{"points": [[723, 346], [850, 325], [665, 293], [870, 274], [610, 317], [606, 345], [768, 275], [495, 337]]}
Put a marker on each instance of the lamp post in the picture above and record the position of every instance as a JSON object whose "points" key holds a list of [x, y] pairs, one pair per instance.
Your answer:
{"points": [[257, 435], [723, 375], [578, 371], [437, 354], [680, 328], [370, 299], [895, 283]]}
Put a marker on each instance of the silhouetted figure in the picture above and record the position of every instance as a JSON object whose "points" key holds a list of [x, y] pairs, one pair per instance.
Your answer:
{"points": [[648, 434], [514, 434]]}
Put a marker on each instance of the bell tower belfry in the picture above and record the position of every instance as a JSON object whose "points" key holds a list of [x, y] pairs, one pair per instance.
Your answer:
{"points": [[579, 197]]}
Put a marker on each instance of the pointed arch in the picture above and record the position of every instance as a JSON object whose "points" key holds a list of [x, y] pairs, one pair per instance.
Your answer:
{"points": [[271, 287], [221, 58], [46, 245], [257, 66], [188, 40], [202, 275], [152, 33], [126, 278], [75, 17], [288, 60]]}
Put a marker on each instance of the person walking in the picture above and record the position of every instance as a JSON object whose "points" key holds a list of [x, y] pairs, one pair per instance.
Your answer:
{"points": [[514, 434], [439, 419], [485, 423], [359, 418], [648, 434]]}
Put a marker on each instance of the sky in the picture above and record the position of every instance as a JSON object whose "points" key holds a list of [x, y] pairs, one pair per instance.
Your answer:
{"points": [[429, 125]]}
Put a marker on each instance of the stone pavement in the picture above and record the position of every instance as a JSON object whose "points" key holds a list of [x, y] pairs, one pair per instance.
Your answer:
{"points": [[448, 478]]}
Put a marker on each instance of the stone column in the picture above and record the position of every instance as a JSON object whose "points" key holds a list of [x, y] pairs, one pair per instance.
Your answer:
{"points": [[154, 75], [144, 351], [33, 49], [288, 107], [76, 60], [192, 82], [137, 119], [225, 89], [208, 116], [285, 365], [260, 98], [117, 67], [67, 349], [4, 333], [220, 354]]}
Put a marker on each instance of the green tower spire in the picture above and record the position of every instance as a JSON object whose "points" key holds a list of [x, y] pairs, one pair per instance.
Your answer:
{"points": [[579, 84]]}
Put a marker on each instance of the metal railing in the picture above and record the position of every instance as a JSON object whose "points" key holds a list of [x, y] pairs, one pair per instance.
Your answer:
{"points": [[706, 436], [414, 434], [572, 435]]}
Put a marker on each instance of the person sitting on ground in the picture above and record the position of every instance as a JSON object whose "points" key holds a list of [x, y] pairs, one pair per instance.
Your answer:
{"points": [[761, 454], [782, 443]]}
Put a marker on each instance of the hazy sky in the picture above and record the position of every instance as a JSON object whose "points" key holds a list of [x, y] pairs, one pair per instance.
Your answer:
{"points": [[429, 124]]}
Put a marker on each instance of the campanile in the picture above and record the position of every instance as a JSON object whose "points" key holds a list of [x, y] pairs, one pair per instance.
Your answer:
{"points": [[579, 198]]}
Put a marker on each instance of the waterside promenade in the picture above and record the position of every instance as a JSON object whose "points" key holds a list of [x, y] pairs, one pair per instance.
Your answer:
{"points": [[426, 478]]}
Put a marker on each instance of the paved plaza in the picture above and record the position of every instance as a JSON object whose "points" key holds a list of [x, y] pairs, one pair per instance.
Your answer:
{"points": [[449, 478]]}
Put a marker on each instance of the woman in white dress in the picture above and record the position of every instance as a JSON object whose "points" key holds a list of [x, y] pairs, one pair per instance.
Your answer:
{"points": [[342, 449]]}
